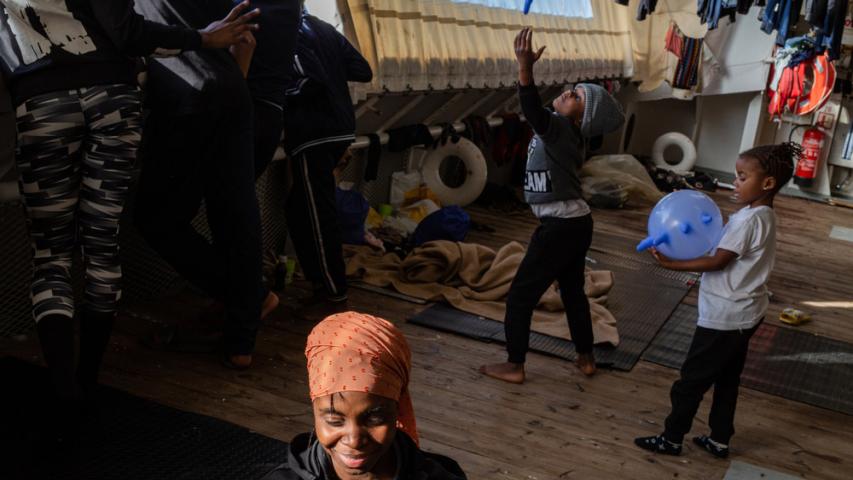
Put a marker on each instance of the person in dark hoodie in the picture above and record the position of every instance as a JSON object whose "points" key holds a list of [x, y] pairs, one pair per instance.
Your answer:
{"points": [[199, 146], [269, 73], [364, 422], [72, 77], [557, 250], [319, 127]]}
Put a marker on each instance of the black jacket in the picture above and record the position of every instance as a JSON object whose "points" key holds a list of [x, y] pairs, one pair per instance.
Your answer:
{"points": [[276, 40], [45, 48], [319, 107], [306, 460], [201, 82]]}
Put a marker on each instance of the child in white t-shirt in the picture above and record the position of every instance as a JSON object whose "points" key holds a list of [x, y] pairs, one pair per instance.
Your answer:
{"points": [[733, 299]]}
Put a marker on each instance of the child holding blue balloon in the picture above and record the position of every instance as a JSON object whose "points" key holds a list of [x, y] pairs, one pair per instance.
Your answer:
{"points": [[733, 300], [552, 187]]}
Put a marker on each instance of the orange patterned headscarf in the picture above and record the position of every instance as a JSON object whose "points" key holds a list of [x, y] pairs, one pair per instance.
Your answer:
{"points": [[354, 352]]}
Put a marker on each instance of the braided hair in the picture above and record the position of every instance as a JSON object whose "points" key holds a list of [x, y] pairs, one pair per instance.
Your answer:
{"points": [[777, 160]]}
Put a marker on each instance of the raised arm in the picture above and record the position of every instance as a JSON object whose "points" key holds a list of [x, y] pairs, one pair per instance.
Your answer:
{"points": [[531, 104], [136, 36]]}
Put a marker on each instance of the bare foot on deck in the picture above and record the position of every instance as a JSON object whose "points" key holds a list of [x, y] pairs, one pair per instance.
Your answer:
{"points": [[270, 304], [586, 364], [506, 371]]}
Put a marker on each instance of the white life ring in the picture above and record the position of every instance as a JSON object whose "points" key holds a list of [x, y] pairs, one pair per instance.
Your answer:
{"points": [[475, 172], [680, 140]]}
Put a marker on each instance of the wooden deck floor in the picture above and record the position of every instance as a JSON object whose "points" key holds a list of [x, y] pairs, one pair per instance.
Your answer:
{"points": [[559, 424]]}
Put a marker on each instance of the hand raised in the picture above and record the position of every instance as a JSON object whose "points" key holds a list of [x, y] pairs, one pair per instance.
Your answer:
{"points": [[524, 48], [231, 29]]}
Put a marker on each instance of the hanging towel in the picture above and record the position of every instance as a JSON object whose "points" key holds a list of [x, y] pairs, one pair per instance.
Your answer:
{"points": [[374, 151], [687, 70]]}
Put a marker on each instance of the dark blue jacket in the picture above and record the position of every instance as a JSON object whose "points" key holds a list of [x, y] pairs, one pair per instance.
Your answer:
{"points": [[319, 108], [276, 39]]}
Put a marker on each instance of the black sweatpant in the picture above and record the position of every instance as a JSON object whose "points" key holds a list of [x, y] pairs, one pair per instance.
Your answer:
{"points": [[269, 123], [312, 217], [557, 251], [716, 357], [210, 157]]}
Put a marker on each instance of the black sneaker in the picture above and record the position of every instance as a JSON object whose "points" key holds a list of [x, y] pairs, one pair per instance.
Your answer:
{"points": [[714, 448], [658, 444]]}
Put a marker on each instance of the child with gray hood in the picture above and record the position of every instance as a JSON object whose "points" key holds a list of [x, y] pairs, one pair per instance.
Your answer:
{"points": [[557, 250]]}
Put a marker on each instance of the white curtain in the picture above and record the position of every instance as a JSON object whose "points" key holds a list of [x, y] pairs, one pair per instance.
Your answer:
{"points": [[441, 43], [563, 8]]}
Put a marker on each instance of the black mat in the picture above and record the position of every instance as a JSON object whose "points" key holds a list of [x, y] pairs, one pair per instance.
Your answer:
{"points": [[641, 300], [782, 361], [132, 438]]}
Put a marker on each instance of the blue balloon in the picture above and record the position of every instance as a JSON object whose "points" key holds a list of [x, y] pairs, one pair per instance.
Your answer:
{"points": [[684, 225], [527, 4]]}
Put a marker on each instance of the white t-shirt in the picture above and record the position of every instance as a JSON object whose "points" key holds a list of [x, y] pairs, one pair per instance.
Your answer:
{"points": [[736, 297], [561, 209]]}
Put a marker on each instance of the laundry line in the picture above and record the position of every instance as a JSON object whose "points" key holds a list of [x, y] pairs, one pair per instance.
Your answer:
{"points": [[363, 141]]}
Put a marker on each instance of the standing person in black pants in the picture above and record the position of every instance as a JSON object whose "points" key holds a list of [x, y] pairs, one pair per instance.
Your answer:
{"points": [[319, 127], [558, 248], [199, 145], [72, 78], [269, 73]]}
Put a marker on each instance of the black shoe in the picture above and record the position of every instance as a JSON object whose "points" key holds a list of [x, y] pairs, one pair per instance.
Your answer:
{"points": [[320, 297], [716, 449], [658, 444]]}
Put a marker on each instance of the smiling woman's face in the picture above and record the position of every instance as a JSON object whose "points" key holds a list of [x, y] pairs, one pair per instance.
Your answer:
{"points": [[357, 430]]}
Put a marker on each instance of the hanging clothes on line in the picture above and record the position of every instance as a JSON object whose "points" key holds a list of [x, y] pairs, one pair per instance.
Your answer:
{"points": [[781, 16], [687, 71], [827, 17], [674, 40], [646, 7], [710, 11]]}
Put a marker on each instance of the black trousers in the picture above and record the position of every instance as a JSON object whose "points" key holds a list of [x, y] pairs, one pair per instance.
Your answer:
{"points": [[312, 217], [557, 251], [269, 123], [207, 157], [716, 357]]}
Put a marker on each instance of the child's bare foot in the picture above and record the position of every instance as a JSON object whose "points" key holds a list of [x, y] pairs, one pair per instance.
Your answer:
{"points": [[586, 364], [237, 362], [508, 372], [270, 304]]}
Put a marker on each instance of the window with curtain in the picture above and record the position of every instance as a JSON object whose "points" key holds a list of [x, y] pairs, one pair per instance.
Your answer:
{"points": [[561, 8], [438, 44]]}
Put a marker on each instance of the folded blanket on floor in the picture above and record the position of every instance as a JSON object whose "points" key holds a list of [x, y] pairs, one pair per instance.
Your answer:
{"points": [[476, 279]]}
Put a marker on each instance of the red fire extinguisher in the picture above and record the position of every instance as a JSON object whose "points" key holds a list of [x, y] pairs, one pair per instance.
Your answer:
{"points": [[806, 172]]}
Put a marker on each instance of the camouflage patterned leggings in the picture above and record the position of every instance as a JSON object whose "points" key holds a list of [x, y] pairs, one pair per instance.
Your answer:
{"points": [[75, 153]]}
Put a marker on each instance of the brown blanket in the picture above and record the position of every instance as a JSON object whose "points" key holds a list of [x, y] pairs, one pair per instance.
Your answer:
{"points": [[476, 279]]}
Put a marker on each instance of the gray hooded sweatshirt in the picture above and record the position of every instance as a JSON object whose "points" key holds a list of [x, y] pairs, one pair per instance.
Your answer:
{"points": [[557, 150]]}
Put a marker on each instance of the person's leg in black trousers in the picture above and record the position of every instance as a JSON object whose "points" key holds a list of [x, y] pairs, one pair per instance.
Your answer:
{"points": [[722, 416], [553, 250], [268, 126], [235, 222], [170, 192], [269, 123], [571, 282], [716, 357], [706, 358], [313, 219], [206, 156]]}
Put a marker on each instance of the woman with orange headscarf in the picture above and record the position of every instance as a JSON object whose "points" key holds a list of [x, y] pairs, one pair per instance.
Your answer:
{"points": [[364, 423]]}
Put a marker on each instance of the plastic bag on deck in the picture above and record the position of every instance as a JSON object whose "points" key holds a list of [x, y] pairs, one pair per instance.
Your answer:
{"points": [[610, 181]]}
